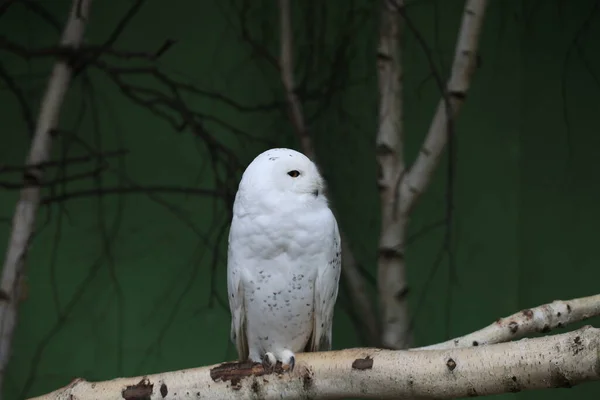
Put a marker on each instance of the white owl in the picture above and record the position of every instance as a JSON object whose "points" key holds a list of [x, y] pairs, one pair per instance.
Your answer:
{"points": [[284, 260]]}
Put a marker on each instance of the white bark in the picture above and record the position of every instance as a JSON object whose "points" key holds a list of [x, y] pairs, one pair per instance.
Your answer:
{"points": [[463, 68], [539, 319], [397, 203], [356, 283], [555, 361], [391, 276], [23, 224]]}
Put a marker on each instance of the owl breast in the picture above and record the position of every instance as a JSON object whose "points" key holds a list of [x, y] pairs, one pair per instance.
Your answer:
{"points": [[279, 282]]}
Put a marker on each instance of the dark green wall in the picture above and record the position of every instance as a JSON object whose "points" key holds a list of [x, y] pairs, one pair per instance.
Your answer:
{"points": [[120, 285]]}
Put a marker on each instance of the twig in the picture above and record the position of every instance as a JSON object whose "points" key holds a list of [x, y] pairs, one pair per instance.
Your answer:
{"points": [[130, 190], [27, 206], [359, 295], [36, 8], [63, 162], [53, 182], [20, 97], [287, 77]]}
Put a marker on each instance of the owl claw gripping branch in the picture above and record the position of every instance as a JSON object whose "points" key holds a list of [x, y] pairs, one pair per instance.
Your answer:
{"points": [[284, 261]]}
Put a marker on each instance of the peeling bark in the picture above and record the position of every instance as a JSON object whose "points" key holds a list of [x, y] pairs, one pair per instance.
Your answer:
{"points": [[550, 362], [23, 224]]}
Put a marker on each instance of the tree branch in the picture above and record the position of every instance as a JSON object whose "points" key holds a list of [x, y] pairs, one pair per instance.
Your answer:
{"points": [[359, 295], [391, 275], [20, 97], [543, 319], [550, 362], [357, 288], [53, 182], [23, 224], [400, 189], [287, 77], [67, 196], [64, 162], [417, 179]]}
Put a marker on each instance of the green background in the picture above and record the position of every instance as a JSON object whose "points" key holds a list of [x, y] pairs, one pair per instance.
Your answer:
{"points": [[120, 285]]}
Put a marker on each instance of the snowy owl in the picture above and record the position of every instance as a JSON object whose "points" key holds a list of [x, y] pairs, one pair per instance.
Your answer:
{"points": [[284, 260]]}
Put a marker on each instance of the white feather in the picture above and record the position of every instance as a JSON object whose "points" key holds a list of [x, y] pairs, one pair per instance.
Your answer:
{"points": [[283, 260]]}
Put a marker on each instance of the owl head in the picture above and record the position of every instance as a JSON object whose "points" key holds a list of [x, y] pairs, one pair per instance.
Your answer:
{"points": [[284, 174]]}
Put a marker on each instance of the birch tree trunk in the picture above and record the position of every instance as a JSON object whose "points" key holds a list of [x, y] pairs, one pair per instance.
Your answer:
{"points": [[391, 277], [400, 188], [23, 223]]}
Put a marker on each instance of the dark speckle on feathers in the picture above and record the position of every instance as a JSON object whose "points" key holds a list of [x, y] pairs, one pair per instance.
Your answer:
{"points": [[289, 299]]}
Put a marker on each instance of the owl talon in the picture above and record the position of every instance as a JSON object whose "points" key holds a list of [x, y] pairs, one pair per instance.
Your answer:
{"points": [[269, 362], [288, 361], [274, 311]]}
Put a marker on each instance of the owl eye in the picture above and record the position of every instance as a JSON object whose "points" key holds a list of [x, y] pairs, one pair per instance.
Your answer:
{"points": [[294, 173]]}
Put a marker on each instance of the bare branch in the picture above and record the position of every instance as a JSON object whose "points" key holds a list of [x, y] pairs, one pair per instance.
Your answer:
{"points": [[27, 206], [357, 288], [543, 319], [34, 7], [20, 97], [359, 296], [67, 196], [287, 77], [53, 182], [64, 162], [417, 179], [550, 362]]}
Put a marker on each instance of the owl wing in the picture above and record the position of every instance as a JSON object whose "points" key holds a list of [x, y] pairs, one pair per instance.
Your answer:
{"points": [[325, 292], [235, 293]]}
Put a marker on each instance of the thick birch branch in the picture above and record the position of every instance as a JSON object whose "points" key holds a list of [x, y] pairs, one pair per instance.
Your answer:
{"points": [[356, 283], [412, 183], [23, 224], [417, 179], [539, 319], [550, 362]]}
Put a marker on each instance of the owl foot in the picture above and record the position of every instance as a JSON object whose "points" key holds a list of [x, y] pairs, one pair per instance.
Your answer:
{"points": [[288, 360], [269, 362]]}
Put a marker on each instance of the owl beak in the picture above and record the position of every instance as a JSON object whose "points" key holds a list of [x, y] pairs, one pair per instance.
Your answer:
{"points": [[315, 193]]}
